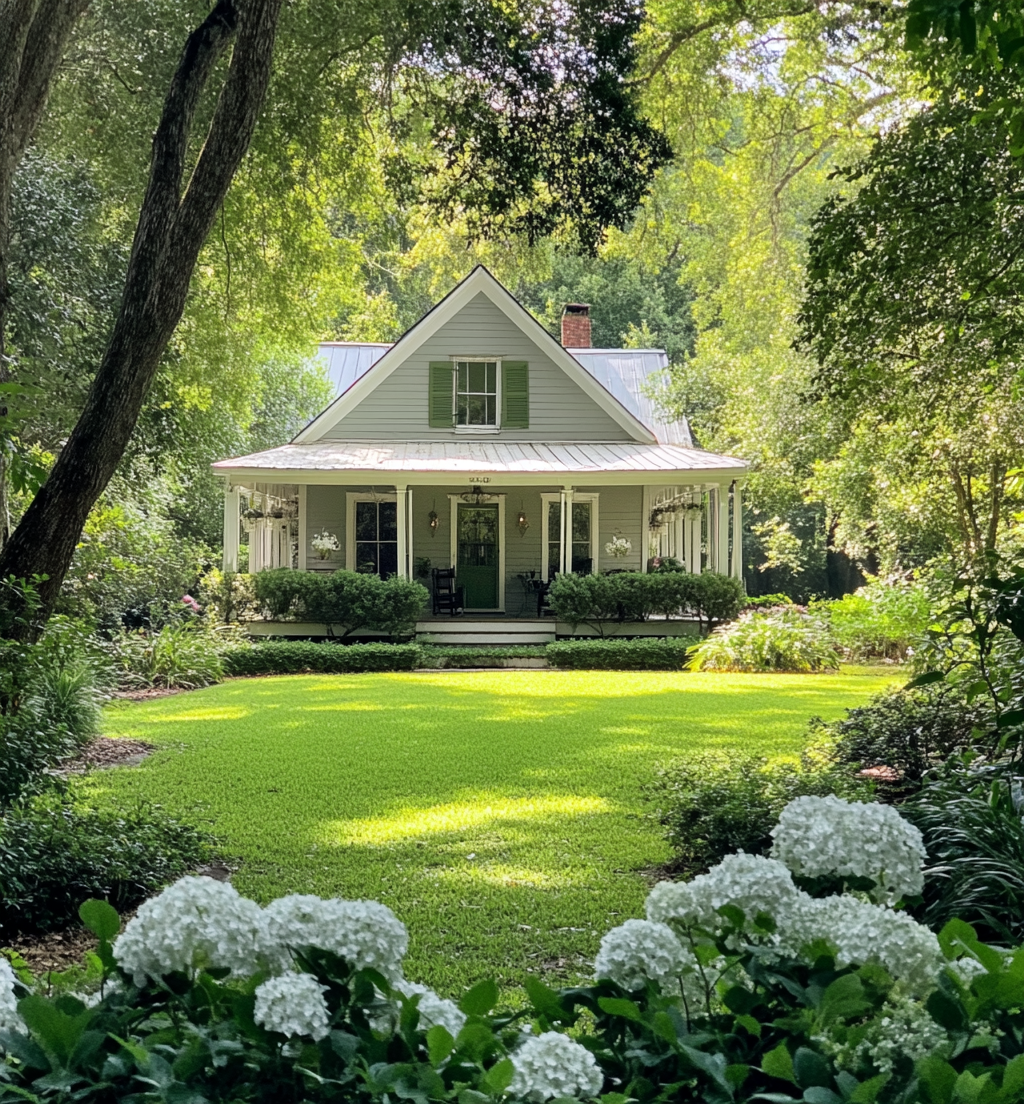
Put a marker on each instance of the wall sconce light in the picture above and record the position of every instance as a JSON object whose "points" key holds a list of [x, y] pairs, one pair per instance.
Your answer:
{"points": [[522, 524], [434, 520]]}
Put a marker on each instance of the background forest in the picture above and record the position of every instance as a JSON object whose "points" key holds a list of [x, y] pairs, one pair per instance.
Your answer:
{"points": [[801, 137]]}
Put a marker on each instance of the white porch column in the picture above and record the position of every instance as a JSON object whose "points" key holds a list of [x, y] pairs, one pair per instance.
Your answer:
{"points": [[565, 530], [737, 531], [408, 534], [303, 531], [722, 558], [231, 525], [693, 522], [645, 528], [710, 517], [402, 517]]}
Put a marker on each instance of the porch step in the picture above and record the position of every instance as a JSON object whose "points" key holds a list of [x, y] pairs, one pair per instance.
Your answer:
{"points": [[464, 630]]}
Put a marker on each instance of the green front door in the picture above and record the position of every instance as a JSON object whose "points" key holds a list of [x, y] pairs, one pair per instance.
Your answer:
{"points": [[477, 567]]}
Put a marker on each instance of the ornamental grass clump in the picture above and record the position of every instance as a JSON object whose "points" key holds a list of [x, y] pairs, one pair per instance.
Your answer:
{"points": [[781, 639]]}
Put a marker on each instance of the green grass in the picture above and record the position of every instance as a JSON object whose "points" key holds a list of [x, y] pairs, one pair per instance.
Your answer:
{"points": [[499, 813]]}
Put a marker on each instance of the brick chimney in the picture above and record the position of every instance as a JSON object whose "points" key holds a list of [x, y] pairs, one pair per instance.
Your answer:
{"points": [[576, 326]]}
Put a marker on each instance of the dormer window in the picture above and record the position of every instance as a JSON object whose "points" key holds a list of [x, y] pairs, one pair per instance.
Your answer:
{"points": [[477, 399]]}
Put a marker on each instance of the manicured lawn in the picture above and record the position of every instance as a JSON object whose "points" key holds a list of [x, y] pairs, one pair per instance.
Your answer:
{"points": [[500, 814]]}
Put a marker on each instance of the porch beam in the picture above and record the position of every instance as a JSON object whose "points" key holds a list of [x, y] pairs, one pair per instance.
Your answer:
{"points": [[232, 522]]}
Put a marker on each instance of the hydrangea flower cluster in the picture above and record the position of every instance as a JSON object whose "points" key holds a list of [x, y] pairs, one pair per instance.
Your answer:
{"points": [[551, 1065], [905, 1029], [434, 1011], [365, 933], [293, 1004], [749, 882], [862, 932], [640, 951], [819, 836], [195, 923], [9, 1018]]}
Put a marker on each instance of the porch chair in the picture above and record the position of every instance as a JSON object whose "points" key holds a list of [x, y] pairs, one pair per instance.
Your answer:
{"points": [[447, 596]]}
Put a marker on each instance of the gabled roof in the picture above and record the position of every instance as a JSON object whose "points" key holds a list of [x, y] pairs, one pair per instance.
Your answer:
{"points": [[630, 375], [478, 282]]}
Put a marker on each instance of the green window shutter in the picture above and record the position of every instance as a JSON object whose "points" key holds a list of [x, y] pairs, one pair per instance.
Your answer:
{"points": [[442, 404], [515, 394]]}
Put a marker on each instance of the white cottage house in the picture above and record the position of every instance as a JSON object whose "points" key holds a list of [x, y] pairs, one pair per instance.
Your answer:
{"points": [[479, 442]]}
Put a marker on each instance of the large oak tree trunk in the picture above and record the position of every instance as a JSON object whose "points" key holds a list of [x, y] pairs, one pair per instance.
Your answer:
{"points": [[171, 231]]}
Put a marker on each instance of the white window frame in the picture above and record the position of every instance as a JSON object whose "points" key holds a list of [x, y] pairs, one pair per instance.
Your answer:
{"points": [[454, 501], [476, 429], [577, 496], [351, 498]]}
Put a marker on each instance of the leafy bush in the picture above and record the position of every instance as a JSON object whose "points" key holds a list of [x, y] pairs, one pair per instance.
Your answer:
{"points": [[767, 601], [346, 599], [886, 619], [478, 655], [910, 731], [304, 657], [737, 987], [55, 852], [971, 820], [641, 654], [776, 640], [228, 596], [29, 746], [712, 805], [182, 655], [600, 600]]}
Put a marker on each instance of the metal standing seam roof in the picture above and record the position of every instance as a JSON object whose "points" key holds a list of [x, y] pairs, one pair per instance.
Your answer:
{"points": [[467, 456], [628, 374]]}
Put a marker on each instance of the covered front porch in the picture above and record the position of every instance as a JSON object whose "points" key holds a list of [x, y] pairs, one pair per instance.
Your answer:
{"points": [[504, 538]]}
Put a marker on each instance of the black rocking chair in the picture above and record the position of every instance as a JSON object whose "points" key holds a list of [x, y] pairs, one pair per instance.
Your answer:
{"points": [[447, 596]]}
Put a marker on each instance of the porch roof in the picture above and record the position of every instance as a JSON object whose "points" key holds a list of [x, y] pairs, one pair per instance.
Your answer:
{"points": [[485, 457]]}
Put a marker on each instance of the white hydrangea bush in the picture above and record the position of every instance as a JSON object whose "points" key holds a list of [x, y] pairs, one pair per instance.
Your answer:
{"points": [[9, 1018], [434, 1011], [366, 934], [196, 923], [293, 1004], [551, 1065], [640, 951], [818, 836]]}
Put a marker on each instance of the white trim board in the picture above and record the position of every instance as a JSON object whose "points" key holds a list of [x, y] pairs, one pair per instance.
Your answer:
{"points": [[478, 281]]}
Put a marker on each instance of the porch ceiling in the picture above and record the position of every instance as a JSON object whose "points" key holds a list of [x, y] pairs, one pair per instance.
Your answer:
{"points": [[341, 461]]}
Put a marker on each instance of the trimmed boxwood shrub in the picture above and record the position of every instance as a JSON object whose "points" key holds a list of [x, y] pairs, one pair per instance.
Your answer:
{"points": [[346, 600], [296, 657], [600, 600], [642, 654]]}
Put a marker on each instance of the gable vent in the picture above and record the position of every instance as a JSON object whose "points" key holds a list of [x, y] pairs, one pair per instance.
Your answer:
{"points": [[576, 326]]}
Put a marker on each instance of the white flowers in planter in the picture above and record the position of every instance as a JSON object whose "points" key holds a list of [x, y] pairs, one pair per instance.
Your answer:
{"points": [[551, 1065], [819, 836], [324, 543], [293, 1004], [197, 923], [619, 548]]}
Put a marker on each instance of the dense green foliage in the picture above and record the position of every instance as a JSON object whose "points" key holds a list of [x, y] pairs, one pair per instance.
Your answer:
{"points": [[295, 657], [521, 793], [346, 600], [56, 851], [711, 805], [600, 600], [479, 655], [183, 655], [886, 619], [640, 654], [780, 639]]}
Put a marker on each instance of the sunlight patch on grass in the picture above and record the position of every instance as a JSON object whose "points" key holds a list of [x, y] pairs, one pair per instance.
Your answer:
{"points": [[505, 877], [459, 816]]}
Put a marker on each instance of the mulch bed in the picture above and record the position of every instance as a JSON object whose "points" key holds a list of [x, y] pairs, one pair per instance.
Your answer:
{"points": [[144, 695], [54, 951], [103, 752]]}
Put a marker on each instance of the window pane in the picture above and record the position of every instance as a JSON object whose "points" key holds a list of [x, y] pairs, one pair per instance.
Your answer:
{"points": [[462, 416], [492, 377], [388, 561], [489, 418], [553, 557], [463, 368], [477, 377], [477, 410], [366, 558], [388, 521], [581, 521], [366, 521], [581, 560], [554, 521]]}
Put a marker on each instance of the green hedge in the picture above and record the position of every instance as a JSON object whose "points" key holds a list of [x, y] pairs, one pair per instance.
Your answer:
{"points": [[345, 599], [598, 600], [643, 654], [478, 655], [296, 657]]}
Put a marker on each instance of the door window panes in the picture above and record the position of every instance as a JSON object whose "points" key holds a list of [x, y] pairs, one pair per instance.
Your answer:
{"points": [[582, 558], [476, 392], [377, 538]]}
